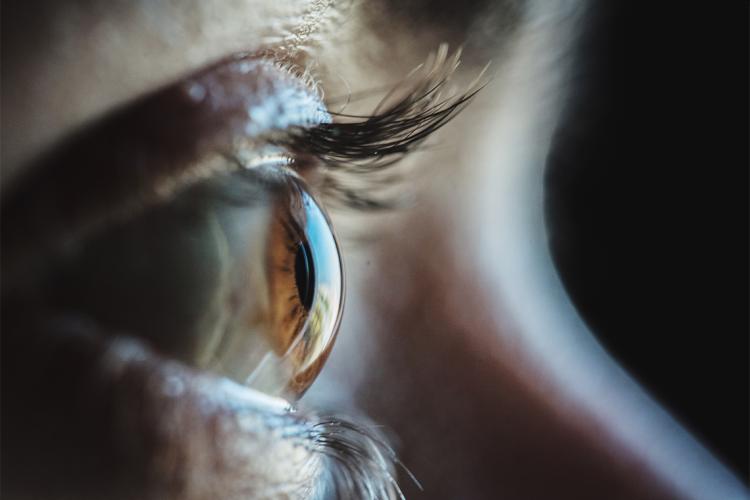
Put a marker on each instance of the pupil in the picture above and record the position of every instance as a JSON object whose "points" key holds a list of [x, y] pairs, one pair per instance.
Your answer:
{"points": [[304, 275]]}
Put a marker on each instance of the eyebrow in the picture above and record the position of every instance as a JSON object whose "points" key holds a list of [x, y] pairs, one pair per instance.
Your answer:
{"points": [[144, 153]]}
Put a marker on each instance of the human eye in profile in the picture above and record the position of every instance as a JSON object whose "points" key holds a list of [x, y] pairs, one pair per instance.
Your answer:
{"points": [[181, 243], [243, 256]]}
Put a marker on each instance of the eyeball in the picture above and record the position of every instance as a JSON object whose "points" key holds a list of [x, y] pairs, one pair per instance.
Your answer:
{"points": [[300, 315], [239, 275]]}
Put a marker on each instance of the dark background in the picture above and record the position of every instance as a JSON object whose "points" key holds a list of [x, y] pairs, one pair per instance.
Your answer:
{"points": [[647, 203]]}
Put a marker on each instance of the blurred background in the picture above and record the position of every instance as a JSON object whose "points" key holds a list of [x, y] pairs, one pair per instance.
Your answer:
{"points": [[653, 249]]}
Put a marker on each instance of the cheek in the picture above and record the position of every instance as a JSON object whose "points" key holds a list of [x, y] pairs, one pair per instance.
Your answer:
{"points": [[431, 348], [472, 414]]}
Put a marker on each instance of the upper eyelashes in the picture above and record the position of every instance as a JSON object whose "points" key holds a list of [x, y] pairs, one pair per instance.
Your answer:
{"points": [[394, 128], [356, 144]]}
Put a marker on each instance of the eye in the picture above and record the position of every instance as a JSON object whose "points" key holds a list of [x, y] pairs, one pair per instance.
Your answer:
{"points": [[303, 286], [174, 219], [240, 275]]}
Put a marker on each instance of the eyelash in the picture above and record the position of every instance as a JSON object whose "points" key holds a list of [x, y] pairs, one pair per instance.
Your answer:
{"points": [[366, 146], [360, 463], [360, 460]]}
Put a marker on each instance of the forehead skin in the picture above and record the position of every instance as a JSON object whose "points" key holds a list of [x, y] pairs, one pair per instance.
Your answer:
{"points": [[67, 63]]}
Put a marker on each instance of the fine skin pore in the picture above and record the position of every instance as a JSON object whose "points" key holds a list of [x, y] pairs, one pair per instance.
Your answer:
{"points": [[442, 342]]}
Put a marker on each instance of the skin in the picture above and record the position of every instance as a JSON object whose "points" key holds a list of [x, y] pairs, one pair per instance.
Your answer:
{"points": [[490, 382]]}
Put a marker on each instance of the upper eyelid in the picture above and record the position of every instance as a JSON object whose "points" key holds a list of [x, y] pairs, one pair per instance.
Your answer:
{"points": [[142, 153]]}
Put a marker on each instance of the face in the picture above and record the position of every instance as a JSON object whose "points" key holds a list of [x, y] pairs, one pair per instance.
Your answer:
{"points": [[189, 185]]}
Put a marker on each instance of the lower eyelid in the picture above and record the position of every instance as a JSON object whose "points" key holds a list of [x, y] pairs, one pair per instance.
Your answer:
{"points": [[143, 407], [114, 398]]}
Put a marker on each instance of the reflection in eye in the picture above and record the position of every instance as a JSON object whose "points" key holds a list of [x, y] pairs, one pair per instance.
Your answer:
{"points": [[240, 275], [299, 317]]}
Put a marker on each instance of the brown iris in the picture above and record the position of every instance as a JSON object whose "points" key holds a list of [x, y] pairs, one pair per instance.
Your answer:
{"points": [[305, 284]]}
